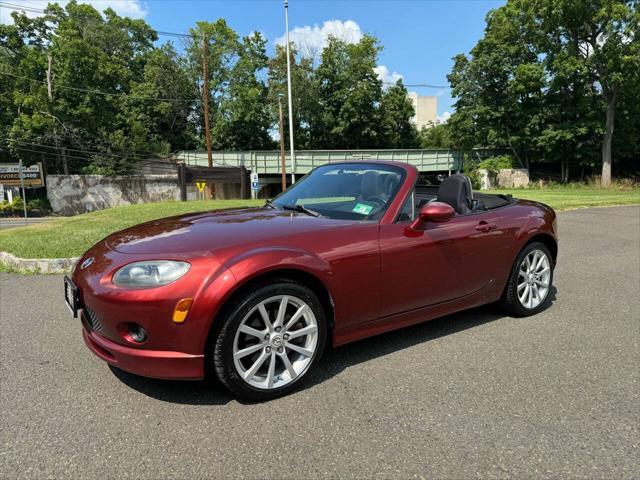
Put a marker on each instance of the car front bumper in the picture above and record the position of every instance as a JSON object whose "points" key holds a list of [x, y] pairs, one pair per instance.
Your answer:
{"points": [[148, 363]]}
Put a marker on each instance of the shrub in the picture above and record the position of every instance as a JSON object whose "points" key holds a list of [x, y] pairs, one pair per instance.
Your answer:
{"points": [[41, 203], [471, 171], [494, 164]]}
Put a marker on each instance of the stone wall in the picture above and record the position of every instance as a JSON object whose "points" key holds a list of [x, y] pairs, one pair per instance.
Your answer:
{"points": [[506, 178], [74, 194]]}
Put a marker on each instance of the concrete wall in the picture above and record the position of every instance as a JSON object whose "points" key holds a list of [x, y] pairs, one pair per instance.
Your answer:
{"points": [[506, 178], [74, 194]]}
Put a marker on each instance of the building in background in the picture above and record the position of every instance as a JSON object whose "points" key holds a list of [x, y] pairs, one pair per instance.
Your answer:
{"points": [[426, 110]]}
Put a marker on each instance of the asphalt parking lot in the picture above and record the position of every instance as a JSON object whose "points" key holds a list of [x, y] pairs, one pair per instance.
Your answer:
{"points": [[476, 394]]}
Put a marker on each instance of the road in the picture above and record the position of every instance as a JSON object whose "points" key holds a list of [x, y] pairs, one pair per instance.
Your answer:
{"points": [[14, 222], [476, 394]]}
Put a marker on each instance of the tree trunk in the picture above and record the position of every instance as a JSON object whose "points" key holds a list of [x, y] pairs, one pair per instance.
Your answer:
{"points": [[607, 139]]}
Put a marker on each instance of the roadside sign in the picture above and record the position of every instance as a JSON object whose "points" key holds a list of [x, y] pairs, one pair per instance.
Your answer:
{"points": [[201, 186], [31, 176], [255, 181]]}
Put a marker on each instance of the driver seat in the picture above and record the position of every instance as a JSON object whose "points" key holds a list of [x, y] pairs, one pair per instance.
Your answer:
{"points": [[455, 190], [370, 186]]}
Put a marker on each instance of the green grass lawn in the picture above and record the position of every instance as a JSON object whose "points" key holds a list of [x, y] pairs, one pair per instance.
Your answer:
{"points": [[568, 198], [70, 237]]}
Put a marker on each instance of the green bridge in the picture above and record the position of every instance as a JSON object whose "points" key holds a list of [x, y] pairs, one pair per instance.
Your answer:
{"points": [[268, 162]]}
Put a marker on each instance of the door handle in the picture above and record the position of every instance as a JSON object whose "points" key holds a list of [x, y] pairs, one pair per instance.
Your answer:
{"points": [[486, 227]]}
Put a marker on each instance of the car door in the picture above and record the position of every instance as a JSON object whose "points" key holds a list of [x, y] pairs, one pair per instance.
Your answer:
{"points": [[444, 262]]}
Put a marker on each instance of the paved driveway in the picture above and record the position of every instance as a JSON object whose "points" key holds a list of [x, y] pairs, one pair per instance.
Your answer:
{"points": [[476, 394]]}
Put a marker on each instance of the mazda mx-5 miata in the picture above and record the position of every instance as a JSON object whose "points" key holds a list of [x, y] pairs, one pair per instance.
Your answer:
{"points": [[255, 295]]}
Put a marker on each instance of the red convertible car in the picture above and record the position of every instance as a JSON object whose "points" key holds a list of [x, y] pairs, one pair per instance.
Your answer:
{"points": [[354, 249]]}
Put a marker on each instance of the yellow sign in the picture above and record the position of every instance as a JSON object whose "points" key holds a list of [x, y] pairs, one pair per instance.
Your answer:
{"points": [[201, 186]]}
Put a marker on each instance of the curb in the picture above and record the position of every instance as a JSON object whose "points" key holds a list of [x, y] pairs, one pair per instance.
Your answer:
{"points": [[38, 265]]}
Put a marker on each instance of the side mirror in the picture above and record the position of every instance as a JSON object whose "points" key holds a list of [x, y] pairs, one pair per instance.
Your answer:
{"points": [[433, 212]]}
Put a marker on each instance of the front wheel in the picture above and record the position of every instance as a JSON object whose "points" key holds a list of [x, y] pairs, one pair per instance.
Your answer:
{"points": [[530, 281], [272, 337]]}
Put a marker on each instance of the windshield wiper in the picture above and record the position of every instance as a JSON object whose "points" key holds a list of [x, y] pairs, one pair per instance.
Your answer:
{"points": [[301, 209], [269, 203]]}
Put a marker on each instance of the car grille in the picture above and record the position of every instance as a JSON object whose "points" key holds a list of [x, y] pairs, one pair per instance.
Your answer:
{"points": [[92, 319]]}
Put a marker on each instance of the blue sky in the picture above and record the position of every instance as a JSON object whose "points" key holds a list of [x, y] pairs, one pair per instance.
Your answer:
{"points": [[419, 37]]}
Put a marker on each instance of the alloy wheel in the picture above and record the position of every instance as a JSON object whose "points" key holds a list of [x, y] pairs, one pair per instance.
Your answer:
{"points": [[275, 342], [534, 277]]}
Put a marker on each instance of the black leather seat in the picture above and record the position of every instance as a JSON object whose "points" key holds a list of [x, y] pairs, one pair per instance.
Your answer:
{"points": [[370, 186], [455, 190]]}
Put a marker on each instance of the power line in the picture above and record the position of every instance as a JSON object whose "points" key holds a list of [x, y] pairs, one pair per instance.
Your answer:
{"points": [[29, 9], [108, 94], [125, 154]]}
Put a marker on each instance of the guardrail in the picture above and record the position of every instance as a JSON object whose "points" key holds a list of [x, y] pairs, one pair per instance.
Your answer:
{"points": [[268, 161]]}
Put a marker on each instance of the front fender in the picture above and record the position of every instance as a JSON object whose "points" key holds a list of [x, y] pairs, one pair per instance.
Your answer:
{"points": [[255, 262], [250, 264]]}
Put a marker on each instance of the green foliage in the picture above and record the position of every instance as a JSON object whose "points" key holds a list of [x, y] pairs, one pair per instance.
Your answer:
{"points": [[118, 98], [471, 170], [397, 111], [437, 136], [494, 164], [540, 80], [17, 206]]}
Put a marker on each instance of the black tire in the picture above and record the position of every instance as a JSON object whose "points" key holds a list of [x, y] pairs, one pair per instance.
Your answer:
{"points": [[510, 300], [221, 349]]}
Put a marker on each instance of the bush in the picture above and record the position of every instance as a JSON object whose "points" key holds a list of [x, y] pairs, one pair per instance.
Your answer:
{"points": [[494, 164], [17, 207], [41, 204], [471, 171]]}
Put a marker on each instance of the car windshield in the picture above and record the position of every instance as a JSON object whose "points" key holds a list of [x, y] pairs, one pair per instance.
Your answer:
{"points": [[348, 191]]}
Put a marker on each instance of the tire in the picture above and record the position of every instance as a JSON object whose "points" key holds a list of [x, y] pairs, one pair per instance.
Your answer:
{"points": [[289, 348], [519, 297]]}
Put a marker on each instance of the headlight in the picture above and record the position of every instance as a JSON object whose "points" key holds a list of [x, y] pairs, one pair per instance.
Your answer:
{"points": [[154, 273]]}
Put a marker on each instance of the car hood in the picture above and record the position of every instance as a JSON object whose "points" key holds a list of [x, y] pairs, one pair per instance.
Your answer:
{"points": [[205, 232]]}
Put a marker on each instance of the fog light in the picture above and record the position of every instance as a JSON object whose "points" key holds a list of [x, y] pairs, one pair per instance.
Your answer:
{"points": [[182, 309], [138, 334]]}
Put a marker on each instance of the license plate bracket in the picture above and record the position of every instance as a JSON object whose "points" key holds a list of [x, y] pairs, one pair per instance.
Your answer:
{"points": [[71, 297]]}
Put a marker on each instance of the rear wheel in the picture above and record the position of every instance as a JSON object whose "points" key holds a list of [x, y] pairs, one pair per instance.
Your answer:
{"points": [[272, 337], [530, 282]]}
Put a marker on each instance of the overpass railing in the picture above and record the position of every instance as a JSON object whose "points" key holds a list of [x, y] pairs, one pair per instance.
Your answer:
{"points": [[268, 161]]}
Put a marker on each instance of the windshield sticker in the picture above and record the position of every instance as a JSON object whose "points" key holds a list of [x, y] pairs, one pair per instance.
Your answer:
{"points": [[362, 209]]}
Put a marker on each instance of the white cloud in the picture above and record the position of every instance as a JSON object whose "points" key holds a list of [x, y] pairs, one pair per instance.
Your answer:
{"points": [[386, 77], [444, 118], [311, 40], [125, 8]]}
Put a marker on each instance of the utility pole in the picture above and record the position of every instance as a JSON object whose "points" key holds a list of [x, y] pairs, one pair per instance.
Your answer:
{"points": [[282, 160], [49, 86], [24, 196], [293, 154], [205, 102]]}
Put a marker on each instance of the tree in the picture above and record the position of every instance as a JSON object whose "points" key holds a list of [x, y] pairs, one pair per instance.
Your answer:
{"points": [[599, 39], [396, 111], [244, 119], [304, 92], [499, 88], [222, 47], [71, 82], [436, 136], [349, 96], [544, 81]]}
